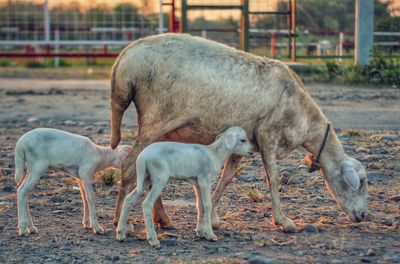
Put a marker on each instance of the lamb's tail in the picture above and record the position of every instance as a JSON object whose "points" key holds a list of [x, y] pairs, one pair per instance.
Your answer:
{"points": [[19, 164], [140, 174]]}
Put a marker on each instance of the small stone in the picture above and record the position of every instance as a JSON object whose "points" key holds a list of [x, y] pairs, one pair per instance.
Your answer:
{"points": [[88, 128], [311, 228], [10, 155], [395, 198], [112, 258], [32, 119], [293, 180], [365, 260], [100, 131], [387, 222], [261, 260], [8, 188], [370, 253], [57, 199], [170, 242], [70, 123]]}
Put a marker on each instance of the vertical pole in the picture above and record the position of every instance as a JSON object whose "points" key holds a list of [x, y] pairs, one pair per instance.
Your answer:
{"points": [[183, 26], [293, 13], [289, 28], [341, 40], [364, 31], [46, 22], [245, 26], [172, 27], [57, 47], [161, 19]]}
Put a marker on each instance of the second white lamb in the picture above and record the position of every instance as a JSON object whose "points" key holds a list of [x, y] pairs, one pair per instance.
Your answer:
{"points": [[197, 164]]}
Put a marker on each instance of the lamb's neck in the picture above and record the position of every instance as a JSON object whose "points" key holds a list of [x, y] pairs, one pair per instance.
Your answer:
{"points": [[220, 152]]}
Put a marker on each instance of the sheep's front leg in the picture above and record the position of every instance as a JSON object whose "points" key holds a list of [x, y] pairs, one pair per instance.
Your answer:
{"points": [[25, 223], [278, 218], [130, 200], [94, 224], [85, 217], [200, 210], [205, 189], [227, 175], [147, 205]]}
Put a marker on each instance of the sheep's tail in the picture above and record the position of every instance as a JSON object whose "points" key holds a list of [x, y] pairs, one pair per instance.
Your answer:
{"points": [[19, 164], [140, 174]]}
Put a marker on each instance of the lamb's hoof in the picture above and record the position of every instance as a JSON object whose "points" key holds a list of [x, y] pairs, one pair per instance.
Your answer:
{"points": [[23, 232], [211, 237], [121, 236], [154, 243], [86, 225], [130, 229], [98, 230], [33, 230], [216, 224]]}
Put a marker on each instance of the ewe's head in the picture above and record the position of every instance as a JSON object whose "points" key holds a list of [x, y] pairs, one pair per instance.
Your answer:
{"points": [[235, 139], [122, 153], [351, 188]]}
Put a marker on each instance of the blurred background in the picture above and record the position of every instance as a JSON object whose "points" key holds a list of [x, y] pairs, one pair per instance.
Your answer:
{"points": [[93, 32]]}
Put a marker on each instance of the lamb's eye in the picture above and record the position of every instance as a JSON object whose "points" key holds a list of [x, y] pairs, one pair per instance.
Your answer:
{"points": [[243, 140]]}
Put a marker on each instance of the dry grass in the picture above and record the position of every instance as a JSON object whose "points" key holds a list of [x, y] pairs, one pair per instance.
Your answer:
{"points": [[254, 193], [109, 177], [352, 132]]}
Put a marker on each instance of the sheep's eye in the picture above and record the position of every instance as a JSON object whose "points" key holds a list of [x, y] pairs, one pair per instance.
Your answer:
{"points": [[243, 140]]}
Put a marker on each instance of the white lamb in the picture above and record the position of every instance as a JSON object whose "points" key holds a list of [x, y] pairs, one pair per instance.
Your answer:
{"points": [[45, 148], [197, 164]]}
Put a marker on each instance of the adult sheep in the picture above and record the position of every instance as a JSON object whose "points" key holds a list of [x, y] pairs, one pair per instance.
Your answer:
{"points": [[190, 89]]}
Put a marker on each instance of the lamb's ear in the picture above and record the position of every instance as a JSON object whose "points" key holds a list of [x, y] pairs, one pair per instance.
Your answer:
{"points": [[230, 140], [350, 176]]}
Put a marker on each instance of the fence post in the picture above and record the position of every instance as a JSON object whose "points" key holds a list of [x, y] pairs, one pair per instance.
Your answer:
{"points": [[364, 31], [245, 26], [183, 26]]}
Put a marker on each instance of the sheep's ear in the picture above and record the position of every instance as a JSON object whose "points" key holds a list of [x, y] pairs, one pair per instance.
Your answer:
{"points": [[350, 176], [230, 140]]}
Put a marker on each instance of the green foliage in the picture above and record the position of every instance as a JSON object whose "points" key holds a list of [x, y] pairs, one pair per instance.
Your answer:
{"points": [[380, 70], [35, 64], [5, 63]]}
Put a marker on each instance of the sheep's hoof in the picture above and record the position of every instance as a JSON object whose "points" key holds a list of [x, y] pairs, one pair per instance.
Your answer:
{"points": [[33, 229], [154, 243], [98, 230], [121, 236], [288, 226], [162, 220]]}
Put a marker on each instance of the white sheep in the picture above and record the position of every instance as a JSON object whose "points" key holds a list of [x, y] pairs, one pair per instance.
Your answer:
{"points": [[45, 148], [197, 164]]}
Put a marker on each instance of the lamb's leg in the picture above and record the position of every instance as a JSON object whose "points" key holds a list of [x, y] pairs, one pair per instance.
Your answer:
{"points": [[128, 182], [200, 210], [85, 218], [25, 223], [228, 173], [94, 224], [29, 221], [147, 205], [278, 218], [205, 189], [130, 200]]}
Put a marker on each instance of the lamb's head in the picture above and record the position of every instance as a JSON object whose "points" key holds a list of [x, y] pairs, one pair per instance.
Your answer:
{"points": [[235, 139], [350, 188], [121, 154]]}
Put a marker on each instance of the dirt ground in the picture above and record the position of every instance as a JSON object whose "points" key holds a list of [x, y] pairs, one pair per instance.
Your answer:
{"points": [[367, 121]]}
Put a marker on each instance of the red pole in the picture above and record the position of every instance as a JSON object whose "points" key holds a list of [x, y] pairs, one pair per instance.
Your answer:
{"points": [[273, 52], [172, 17]]}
